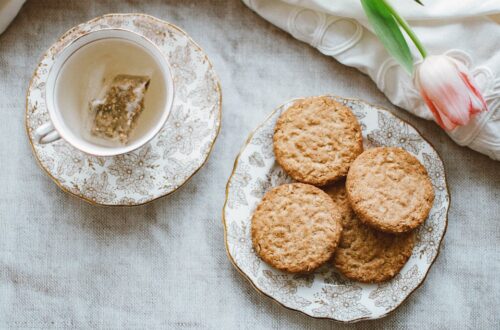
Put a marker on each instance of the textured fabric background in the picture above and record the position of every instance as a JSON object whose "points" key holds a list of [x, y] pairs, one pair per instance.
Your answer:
{"points": [[64, 263]]}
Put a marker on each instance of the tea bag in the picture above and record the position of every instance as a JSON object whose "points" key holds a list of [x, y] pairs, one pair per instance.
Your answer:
{"points": [[117, 112]]}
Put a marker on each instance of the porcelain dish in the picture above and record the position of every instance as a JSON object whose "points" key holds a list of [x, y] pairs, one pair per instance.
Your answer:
{"points": [[326, 293], [162, 165]]}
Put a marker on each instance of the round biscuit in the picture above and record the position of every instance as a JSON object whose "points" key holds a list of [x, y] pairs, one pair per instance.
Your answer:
{"points": [[365, 254], [316, 139], [295, 228], [389, 189]]}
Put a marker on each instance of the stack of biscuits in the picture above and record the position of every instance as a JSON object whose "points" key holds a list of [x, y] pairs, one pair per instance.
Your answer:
{"points": [[355, 209]]}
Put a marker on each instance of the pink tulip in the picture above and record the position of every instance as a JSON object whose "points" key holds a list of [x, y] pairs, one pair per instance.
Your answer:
{"points": [[449, 91]]}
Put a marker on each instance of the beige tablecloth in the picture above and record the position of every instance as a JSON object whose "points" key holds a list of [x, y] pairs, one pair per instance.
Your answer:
{"points": [[67, 264]]}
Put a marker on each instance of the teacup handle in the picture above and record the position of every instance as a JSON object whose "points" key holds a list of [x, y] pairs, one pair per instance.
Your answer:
{"points": [[46, 133]]}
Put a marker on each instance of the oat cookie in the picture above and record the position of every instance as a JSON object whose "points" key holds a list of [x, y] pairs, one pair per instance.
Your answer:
{"points": [[316, 140], [390, 190], [295, 228], [365, 254]]}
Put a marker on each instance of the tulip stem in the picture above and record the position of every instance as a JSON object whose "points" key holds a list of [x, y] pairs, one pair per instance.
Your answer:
{"points": [[406, 27]]}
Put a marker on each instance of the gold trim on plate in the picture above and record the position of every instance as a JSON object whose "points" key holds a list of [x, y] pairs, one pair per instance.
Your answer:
{"points": [[131, 15], [233, 262]]}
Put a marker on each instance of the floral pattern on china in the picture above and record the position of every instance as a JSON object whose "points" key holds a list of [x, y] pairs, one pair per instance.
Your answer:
{"points": [[171, 158], [325, 293]]}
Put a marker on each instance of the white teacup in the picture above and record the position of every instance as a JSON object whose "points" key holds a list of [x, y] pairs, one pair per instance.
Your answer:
{"points": [[76, 77]]}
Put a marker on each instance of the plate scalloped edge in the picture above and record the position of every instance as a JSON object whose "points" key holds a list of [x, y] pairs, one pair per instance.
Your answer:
{"points": [[335, 298]]}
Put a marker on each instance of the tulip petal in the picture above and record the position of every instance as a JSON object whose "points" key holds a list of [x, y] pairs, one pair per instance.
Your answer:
{"points": [[449, 91], [475, 91], [444, 122]]}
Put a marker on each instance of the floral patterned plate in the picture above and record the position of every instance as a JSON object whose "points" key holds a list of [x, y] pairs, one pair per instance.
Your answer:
{"points": [[171, 158], [326, 293]]}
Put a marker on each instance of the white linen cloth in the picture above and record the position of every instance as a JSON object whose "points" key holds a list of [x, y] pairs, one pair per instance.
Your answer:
{"points": [[8, 10], [467, 30]]}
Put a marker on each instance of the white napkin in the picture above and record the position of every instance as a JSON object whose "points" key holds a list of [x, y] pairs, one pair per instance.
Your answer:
{"points": [[468, 30], [8, 10]]}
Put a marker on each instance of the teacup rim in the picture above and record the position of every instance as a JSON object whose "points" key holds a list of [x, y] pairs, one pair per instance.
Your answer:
{"points": [[166, 71]]}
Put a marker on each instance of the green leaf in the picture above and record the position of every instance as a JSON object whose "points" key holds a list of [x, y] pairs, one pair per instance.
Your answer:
{"points": [[388, 31], [419, 2]]}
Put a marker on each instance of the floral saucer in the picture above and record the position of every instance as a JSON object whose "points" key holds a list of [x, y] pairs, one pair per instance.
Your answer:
{"points": [[165, 163], [326, 293]]}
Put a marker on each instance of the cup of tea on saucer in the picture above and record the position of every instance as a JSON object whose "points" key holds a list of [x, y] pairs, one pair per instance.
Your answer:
{"points": [[108, 93]]}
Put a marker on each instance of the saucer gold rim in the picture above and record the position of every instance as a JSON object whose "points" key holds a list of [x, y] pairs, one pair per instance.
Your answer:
{"points": [[206, 155]]}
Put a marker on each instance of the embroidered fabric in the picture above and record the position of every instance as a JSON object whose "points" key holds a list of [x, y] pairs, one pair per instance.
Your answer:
{"points": [[339, 29]]}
